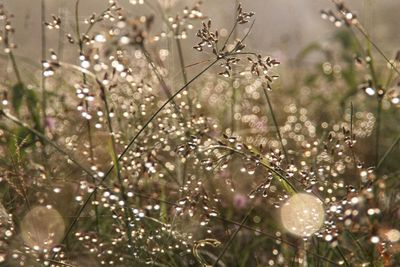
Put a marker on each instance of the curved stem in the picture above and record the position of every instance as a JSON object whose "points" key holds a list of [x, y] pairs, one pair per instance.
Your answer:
{"points": [[378, 129], [88, 126], [44, 96], [232, 238], [258, 231], [116, 163], [290, 187], [275, 124], [15, 67], [131, 143], [162, 82], [182, 66], [382, 160], [52, 143]]}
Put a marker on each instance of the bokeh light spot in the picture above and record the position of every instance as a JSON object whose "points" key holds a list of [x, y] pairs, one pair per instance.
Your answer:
{"points": [[42, 227], [302, 214]]}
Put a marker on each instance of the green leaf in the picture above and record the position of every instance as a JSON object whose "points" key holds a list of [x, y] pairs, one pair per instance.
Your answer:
{"points": [[24, 138], [32, 103], [21, 139], [18, 91]]}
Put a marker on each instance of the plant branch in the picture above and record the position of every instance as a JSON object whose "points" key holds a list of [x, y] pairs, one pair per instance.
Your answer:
{"points": [[131, 143], [275, 124], [116, 163], [232, 238], [52, 143]]}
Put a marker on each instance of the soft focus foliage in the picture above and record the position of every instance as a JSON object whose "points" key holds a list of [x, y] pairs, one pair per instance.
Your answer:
{"points": [[130, 155]]}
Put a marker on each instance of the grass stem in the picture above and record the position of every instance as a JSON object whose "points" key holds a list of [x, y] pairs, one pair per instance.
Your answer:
{"points": [[131, 143], [232, 238], [116, 163], [276, 124]]}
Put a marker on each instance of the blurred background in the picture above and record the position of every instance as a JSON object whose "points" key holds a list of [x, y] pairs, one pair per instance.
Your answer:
{"points": [[284, 25], [316, 93]]}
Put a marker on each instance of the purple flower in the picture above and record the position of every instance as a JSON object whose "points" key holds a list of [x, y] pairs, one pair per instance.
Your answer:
{"points": [[240, 201]]}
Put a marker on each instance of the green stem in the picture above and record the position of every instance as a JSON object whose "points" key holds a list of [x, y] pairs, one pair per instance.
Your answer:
{"points": [[116, 163], [275, 124], [366, 36], [343, 257], [382, 160], [162, 82], [286, 184], [60, 49], [131, 143], [378, 127], [77, 28], [15, 67], [52, 143], [43, 29], [88, 126], [232, 238], [182, 65], [185, 80], [273, 237]]}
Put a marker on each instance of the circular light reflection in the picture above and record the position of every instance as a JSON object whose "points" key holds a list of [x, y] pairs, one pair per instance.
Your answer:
{"points": [[42, 228], [302, 214]]}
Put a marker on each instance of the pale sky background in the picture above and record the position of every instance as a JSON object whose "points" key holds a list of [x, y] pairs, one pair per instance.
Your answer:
{"points": [[286, 25]]}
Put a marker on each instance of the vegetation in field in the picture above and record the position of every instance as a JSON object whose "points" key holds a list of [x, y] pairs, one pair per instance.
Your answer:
{"points": [[132, 154]]}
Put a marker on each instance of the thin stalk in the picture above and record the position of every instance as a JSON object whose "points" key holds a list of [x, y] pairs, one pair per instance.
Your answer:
{"points": [[43, 81], [80, 43], [19, 79], [248, 32], [92, 24], [233, 99], [77, 28], [233, 104], [52, 143], [233, 32], [343, 257], [360, 28], [375, 82], [15, 67], [44, 96], [366, 36], [60, 49], [371, 65], [232, 238], [379, 103], [60, 263], [351, 122], [182, 66], [258, 231], [131, 143], [286, 183], [168, 93], [116, 163], [275, 123], [358, 244], [162, 82], [234, 96], [351, 139], [378, 128], [393, 145], [173, 178], [197, 63], [88, 126]]}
